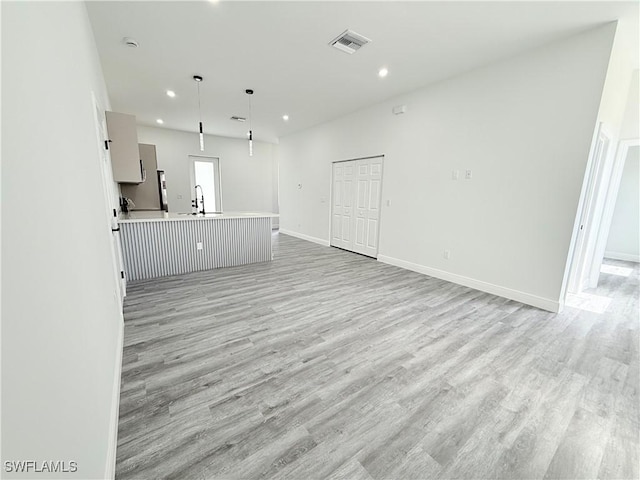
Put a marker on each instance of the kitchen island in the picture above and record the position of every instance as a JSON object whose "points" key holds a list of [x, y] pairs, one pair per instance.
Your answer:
{"points": [[158, 244]]}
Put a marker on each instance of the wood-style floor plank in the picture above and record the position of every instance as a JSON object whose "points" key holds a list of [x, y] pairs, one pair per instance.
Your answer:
{"points": [[329, 365]]}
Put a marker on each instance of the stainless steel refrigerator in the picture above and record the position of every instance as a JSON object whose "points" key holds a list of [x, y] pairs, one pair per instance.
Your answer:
{"points": [[162, 190]]}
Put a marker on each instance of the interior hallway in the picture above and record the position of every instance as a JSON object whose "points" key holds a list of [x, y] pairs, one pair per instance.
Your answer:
{"points": [[326, 364]]}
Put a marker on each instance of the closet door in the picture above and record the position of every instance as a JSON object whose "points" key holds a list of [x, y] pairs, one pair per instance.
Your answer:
{"points": [[367, 207], [342, 204]]}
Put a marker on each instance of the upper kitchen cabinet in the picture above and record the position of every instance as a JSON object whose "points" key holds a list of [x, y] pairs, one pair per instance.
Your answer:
{"points": [[145, 195], [123, 144]]}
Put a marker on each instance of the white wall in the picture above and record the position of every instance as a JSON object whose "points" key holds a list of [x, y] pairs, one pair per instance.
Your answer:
{"points": [[523, 125], [61, 318], [624, 234], [614, 99], [631, 122], [247, 182]]}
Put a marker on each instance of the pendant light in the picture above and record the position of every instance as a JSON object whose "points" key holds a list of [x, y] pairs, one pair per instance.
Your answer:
{"points": [[198, 79], [249, 92]]}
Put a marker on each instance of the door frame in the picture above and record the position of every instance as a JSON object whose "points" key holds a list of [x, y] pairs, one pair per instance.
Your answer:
{"points": [[586, 219], [609, 206], [109, 191], [216, 165], [382, 156]]}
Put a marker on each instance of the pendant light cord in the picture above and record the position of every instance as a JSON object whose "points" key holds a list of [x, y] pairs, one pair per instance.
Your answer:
{"points": [[199, 107], [198, 80], [250, 116]]}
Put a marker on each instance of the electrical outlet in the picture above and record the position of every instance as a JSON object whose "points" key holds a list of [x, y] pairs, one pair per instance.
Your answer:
{"points": [[199, 245], [446, 254]]}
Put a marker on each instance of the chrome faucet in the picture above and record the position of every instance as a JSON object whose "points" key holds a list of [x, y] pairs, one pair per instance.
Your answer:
{"points": [[195, 202]]}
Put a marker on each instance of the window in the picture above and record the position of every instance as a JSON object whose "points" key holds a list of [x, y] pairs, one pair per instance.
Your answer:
{"points": [[206, 173]]}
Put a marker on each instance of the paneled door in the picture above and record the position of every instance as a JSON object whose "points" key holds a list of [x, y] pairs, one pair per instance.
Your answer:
{"points": [[357, 186], [367, 211], [342, 204]]}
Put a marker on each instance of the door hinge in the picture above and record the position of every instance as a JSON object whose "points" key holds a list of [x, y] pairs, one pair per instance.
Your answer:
{"points": [[121, 273], [115, 213], [106, 144]]}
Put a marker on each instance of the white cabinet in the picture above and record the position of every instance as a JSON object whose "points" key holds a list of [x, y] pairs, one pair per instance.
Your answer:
{"points": [[355, 206], [123, 144]]}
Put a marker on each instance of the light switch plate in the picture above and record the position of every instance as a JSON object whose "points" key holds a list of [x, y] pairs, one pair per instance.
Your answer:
{"points": [[468, 175], [199, 245]]}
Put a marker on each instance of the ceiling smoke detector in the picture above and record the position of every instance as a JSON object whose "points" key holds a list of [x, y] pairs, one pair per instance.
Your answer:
{"points": [[349, 41], [130, 42], [238, 119]]}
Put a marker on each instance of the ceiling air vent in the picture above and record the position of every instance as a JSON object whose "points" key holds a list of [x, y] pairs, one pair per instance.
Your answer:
{"points": [[238, 119], [349, 41]]}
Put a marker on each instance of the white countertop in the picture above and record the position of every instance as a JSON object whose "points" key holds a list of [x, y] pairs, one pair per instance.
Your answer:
{"points": [[151, 216]]}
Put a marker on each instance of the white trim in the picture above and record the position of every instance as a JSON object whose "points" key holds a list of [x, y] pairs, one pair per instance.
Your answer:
{"points": [[308, 238], [517, 295], [110, 467], [597, 175], [576, 234], [622, 256]]}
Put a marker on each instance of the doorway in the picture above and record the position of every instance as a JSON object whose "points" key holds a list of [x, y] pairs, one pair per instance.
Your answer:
{"points": [[205, 172], [355, 205], [618, 236], [602, 186]]}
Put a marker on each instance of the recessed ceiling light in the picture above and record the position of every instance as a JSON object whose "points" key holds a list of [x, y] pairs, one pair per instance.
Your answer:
{"points": [[383, 72], [160, 121], [285, 117], [171, 93]]}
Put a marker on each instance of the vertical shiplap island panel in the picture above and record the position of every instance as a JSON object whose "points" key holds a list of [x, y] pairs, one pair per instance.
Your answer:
{"points": [[168, 245]]}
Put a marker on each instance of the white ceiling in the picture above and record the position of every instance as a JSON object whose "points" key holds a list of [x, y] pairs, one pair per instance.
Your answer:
{"points": [[280, 50]]}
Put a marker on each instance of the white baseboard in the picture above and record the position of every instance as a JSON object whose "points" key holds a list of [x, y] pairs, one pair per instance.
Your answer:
{"points": [[517, 295], [308, 238], [622, 256], [110, 468]]}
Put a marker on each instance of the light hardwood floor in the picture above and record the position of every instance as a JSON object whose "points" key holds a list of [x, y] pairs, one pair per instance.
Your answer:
{"points": [[325, 364]]}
